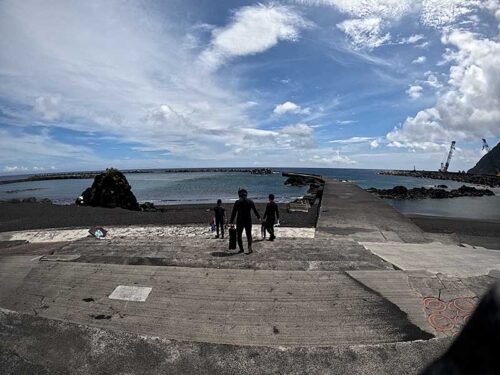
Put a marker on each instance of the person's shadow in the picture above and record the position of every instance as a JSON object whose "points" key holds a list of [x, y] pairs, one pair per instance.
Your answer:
{"points": [[223, 254]]}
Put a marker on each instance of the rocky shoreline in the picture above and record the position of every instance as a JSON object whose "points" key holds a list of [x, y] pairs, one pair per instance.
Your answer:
{"points": [[487, 180], [401, 193]]}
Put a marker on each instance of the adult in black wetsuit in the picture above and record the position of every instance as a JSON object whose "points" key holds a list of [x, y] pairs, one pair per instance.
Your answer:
{"points": [[270, 216], [220, 214], [243, 207]]}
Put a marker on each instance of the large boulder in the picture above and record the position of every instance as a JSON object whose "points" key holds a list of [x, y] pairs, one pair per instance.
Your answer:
{"points": [[110, 189]]}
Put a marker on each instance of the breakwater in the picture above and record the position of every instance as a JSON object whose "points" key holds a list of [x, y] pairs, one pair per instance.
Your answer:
{"points": [[491, 181], [93, 174], [401, 192]]}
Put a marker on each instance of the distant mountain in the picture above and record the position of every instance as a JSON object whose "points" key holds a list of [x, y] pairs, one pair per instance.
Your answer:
{"points": [[489, 163]]}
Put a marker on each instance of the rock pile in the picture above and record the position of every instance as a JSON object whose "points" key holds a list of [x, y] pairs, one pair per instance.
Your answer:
{"points": [[110, 189], [401, 192], [28, 200], [261, 171], [491, 181], [301, 180]]}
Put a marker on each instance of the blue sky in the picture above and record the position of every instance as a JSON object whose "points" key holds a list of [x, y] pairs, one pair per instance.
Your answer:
{"points": [[305, 83]]}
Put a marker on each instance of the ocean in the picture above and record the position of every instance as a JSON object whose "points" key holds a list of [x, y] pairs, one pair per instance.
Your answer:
{"points": [[206, 187]]}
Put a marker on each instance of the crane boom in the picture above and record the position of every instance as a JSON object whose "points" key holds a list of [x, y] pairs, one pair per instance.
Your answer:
{"points": [[485, 146], [444, 168]]}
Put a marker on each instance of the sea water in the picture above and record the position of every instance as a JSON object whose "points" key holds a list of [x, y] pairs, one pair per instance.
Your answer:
{"points": [[164, 188]]}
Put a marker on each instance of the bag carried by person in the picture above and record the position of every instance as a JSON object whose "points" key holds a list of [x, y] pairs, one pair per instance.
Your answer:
{"points": [[232, 238]]}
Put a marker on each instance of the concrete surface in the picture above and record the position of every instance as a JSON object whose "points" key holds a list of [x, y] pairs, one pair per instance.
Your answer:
{"points": [[35, 345], [240, 307], [283, 254], [324, 301], [438, 258], [348, 210], [140, 232], [395, 287]]}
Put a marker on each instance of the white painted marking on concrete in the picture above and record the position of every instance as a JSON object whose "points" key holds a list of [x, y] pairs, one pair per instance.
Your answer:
{"points": [[131, 293]]}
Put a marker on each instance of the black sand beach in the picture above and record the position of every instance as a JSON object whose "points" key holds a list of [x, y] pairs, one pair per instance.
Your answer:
{"points": [[24, 216], [485, 233]]}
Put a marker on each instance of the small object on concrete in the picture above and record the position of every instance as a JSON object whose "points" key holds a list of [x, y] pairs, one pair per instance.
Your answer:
{"points": [[232, 238], [131, 293], [59, 258], [100, 317], [98, 232]]}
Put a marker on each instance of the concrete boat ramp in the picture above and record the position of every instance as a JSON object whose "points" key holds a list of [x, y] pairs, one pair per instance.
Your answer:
{"points": [[366, 292]]}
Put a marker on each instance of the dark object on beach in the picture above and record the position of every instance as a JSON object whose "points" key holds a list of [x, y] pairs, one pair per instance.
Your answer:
{"points": [[232, 238], [475, 350], [110, 189], [98, 232], [401, 192], [441, 186], [148, 207], [489, 164]]}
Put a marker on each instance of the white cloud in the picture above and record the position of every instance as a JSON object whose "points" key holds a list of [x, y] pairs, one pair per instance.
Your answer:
{"points": [[469, 108], [336, 160], [299, 136], [364, 33], [22, 151], [253, 30], [432, 80], [117, 71], [48, 107], [367, 18], [423, 45], [412, 39], [414, 91], [374, 144], [290, 107], [352, 140], [15, 168], [346, 122], [419, 60], [386, 9], [440, 13]]}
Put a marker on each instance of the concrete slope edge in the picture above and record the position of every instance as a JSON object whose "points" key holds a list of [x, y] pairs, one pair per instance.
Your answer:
{"points": [[28, 346], [412, 311]]}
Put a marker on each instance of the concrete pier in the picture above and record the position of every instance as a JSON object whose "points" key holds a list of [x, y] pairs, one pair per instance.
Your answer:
{"points": [[355, 295]]}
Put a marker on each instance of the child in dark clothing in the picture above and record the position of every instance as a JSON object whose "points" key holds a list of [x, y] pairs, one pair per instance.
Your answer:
{"points": [[271, 215], [220, 217]]}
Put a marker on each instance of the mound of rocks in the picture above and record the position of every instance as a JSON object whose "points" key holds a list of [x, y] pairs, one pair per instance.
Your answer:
{"points": [[28, 200], [110, 189], [261, 171], [401, 192]]}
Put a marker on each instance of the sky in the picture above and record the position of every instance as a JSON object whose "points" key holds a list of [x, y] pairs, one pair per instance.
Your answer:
{"points": [[86, 85]]}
